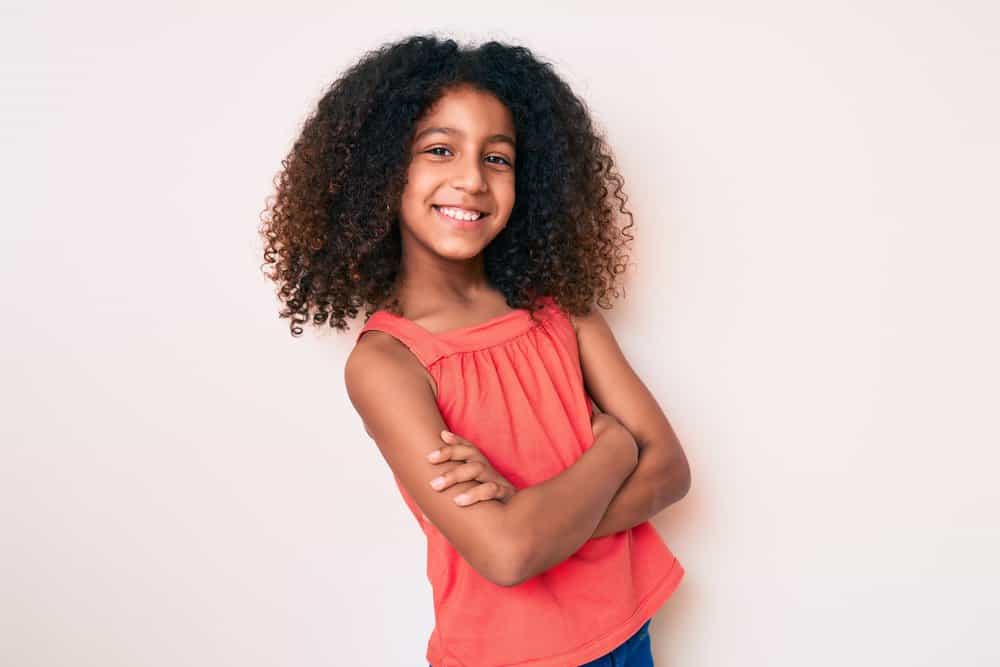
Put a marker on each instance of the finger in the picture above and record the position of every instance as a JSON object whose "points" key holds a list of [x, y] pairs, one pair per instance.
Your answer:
{"points": [[455, 453], [485, 491], [505, 492], [463, 473], [456, 440], [443, 453]]}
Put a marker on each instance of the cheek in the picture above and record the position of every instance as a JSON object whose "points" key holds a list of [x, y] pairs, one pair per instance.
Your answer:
{"points": [[419, 186], [503, 192]]}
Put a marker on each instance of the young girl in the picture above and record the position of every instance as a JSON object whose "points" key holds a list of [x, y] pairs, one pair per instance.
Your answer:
{"points": [[463, 197]]}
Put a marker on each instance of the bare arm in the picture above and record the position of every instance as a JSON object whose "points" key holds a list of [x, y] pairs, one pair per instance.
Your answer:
{"points": [[556, 517], [644, 493], [391, 392], [662, 476], [505, 542]]}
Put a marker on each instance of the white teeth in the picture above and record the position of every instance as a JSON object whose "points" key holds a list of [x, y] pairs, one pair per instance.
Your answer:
{"points": [[459, 214]]}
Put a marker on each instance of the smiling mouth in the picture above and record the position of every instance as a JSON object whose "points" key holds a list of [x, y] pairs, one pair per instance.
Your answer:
{"points": [[459, 215]]}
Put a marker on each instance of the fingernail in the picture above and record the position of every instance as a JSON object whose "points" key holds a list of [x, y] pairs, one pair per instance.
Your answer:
{"points": [[437, 482], [461, 499], [433, 455], [447, 434]]}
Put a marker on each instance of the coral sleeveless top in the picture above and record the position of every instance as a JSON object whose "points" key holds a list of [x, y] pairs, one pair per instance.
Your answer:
{"points": [[513, 386]]}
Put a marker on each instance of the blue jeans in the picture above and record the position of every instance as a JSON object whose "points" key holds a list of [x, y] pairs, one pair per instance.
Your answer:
{"points": [[634, 652]]}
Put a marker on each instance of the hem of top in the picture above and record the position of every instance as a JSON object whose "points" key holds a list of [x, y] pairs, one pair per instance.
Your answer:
{"points": [[603, 645]]}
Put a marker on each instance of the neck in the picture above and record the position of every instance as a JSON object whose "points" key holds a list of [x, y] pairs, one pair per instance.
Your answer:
{"points": [[426, 283]]}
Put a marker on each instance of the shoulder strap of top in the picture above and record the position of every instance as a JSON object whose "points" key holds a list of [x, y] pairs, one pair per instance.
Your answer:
{"points": [[423, 345], [557, 313]]}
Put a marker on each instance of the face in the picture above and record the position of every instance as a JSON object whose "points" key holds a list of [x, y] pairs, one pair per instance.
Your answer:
{"points": [[462, 158]]}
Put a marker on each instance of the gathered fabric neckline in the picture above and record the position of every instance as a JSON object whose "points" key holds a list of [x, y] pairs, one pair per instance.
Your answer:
{"points": [[460, 330], [490, 332]]}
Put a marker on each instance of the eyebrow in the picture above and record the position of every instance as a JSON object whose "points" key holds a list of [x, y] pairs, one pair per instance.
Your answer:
{"points": [[450, 130]]}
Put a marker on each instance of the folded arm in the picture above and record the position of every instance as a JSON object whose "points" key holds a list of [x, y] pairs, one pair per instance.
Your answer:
{"points": [[498, 540], [662, 476], [556, 517]]}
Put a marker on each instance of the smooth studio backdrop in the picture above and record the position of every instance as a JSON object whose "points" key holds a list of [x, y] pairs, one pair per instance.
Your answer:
{"points": [[812, 298]]}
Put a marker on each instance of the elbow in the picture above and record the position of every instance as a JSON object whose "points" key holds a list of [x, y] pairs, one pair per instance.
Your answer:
{"points": [[510, 563], [507, 579], [513, 556], [490, 548], [676, 482], [496, 567], [686, 486], [685, 481], [508, 567], [495, 559]]}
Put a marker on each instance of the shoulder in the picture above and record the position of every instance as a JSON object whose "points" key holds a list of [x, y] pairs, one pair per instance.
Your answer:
{"points": [[576, 321], [592, 321], [379, 359], [380, 363], [601, 358]]}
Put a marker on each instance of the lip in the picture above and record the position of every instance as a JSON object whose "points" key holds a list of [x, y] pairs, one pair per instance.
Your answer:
{"points": [[460, 224]]}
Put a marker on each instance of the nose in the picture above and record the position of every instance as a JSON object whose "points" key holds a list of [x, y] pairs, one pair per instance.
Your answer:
{"points": [[468, 174]]}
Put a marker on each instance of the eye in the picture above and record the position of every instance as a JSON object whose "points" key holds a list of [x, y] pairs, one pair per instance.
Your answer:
{"points": [[431, 150]]}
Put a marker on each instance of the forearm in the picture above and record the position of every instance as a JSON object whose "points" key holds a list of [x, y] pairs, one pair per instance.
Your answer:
{"points": [[653, 485], [554, 519]]}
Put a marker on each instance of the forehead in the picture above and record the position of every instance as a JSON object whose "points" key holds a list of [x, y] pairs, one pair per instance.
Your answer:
{"points": [[469, 111]]}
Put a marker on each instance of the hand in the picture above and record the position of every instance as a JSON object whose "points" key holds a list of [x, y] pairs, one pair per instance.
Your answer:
{"points": [[493, 486], [601, 421], [607, 427]]}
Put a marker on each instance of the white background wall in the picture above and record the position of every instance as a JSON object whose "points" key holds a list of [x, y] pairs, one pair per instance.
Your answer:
{"points": [[814, 303]]}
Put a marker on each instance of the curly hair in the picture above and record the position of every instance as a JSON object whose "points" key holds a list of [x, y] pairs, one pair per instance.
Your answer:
{"points": [[331, 230]]}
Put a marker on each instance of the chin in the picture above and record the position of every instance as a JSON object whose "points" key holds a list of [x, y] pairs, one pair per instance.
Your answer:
{"points": [[458, 250]]}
